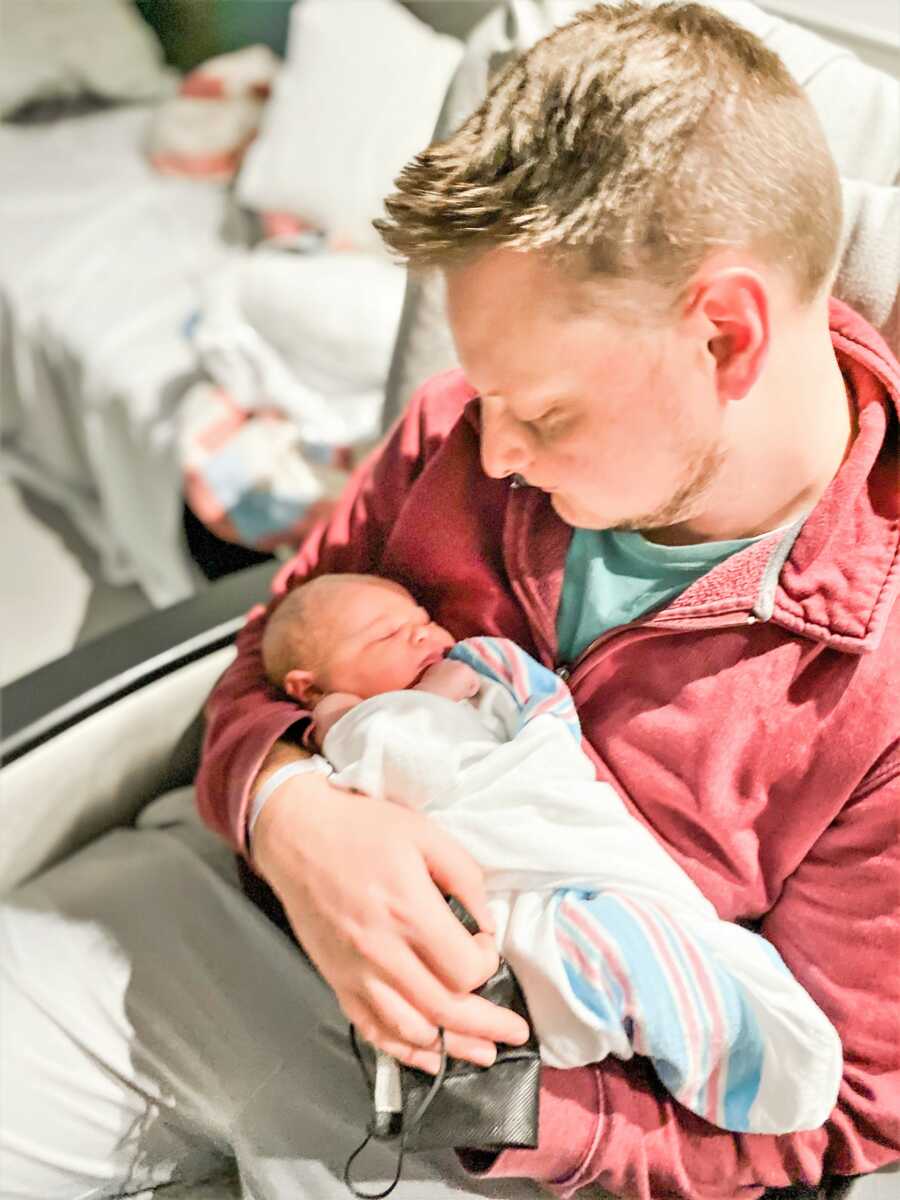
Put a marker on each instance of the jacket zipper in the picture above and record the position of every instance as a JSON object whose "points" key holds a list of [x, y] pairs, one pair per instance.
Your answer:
{"points": [[572, 673], [568, 671]]}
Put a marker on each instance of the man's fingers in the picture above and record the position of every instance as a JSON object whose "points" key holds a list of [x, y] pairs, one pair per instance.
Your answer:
{"points": [[453, 956], [459, 960], [474, 1016], [465, 1013], [380, 1012], [392, 1015], [473, 1050], [412, 1056], [457, 874], [488, 949], [408, 1003]]}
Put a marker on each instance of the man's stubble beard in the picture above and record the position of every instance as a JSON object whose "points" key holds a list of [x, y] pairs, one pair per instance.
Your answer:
{"points": [[688, 500]]}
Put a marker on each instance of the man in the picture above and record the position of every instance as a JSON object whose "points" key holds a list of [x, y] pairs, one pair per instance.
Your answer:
{"points": [[668, 469]]}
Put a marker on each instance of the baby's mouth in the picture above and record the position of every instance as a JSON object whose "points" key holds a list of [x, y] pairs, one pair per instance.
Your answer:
{"points": [[434, 657]]}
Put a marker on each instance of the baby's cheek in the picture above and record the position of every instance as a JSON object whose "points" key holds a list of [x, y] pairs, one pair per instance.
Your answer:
{"points": [[446, 639], [394, 671]]}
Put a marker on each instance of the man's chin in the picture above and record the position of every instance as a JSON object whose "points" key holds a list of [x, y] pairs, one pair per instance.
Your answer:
{"points": [[561, 506], [584, 518], [570, 512]]}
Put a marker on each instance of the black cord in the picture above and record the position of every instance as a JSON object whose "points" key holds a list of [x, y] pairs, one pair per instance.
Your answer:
{"points": [[409, 1126]]}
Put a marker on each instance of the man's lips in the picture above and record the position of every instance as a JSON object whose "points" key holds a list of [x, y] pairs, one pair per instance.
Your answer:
{"points": [[549, 488]]}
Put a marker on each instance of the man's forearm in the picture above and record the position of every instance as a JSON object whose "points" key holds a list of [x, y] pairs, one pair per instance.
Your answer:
{"points": [[283, 754], [243, 726]]}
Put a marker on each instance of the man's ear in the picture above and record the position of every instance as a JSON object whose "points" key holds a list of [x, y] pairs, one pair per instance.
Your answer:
{"points": [[301, 686], [735, 306]]}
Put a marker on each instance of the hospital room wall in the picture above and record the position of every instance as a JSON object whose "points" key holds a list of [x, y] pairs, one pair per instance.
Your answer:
{"points": [[870, 28], [193, 30]]}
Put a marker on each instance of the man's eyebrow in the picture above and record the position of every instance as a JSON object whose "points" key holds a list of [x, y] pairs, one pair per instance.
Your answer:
{"points": [[533, 410], [531, 407]]}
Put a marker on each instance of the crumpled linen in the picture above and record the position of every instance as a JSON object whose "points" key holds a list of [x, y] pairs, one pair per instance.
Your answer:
{"points": [[296, 347]]}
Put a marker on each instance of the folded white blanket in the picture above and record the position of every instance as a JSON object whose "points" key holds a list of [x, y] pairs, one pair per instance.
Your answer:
{"points": [[307, 334]]}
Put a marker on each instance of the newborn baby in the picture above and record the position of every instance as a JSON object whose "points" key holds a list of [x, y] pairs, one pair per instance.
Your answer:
{"points": [[373, 639], [616, 949]]}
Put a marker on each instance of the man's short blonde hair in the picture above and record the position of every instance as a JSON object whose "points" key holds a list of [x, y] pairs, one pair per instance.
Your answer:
{"points": [[631, 144]]}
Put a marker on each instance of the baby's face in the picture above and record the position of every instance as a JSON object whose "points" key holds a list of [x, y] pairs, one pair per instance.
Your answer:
{"points": [[376, 639]]}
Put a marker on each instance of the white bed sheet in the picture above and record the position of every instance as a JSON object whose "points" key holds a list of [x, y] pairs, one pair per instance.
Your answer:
{"points": [[101, 265]]}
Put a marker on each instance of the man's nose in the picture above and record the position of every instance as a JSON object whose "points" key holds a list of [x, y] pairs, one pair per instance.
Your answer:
{"points": [[504, 443]]}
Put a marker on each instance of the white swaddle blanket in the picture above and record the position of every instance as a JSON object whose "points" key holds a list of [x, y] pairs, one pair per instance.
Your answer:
{"points": [[616, 949]]}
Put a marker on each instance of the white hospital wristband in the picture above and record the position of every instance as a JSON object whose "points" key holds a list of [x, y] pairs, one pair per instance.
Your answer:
{"points": [[300, 767]]}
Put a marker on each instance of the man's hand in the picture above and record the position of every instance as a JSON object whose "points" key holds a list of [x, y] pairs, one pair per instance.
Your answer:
{"points": [[361, 881]]}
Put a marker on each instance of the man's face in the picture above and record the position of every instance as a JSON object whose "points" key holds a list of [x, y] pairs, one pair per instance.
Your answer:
{"points": [[620, 424]]}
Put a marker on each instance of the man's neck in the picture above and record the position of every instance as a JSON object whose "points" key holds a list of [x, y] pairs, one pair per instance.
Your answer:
{"points": [[785, 444]]}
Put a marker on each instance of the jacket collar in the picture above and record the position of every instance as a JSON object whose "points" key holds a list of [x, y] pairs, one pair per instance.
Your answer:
{"points": [[841, 576]]}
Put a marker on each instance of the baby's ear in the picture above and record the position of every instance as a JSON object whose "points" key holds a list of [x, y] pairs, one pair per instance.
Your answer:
{"points": [[300, 685]]}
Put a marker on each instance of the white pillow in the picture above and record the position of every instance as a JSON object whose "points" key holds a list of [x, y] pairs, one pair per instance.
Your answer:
{"points": [[359, 95], [57, 49], [310, 335]]}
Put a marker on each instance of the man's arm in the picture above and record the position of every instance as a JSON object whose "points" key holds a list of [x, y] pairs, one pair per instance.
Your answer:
{"points": [[245, 717], [404, 967], [837, 926]]}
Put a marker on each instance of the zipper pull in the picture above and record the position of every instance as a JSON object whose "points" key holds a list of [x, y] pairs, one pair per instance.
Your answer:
{"points": [[563, 672]]}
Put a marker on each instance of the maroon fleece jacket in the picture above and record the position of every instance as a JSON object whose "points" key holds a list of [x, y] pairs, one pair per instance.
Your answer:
{"points": [[753, 724]]}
